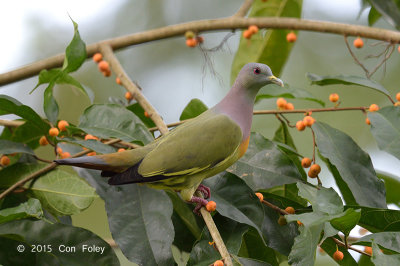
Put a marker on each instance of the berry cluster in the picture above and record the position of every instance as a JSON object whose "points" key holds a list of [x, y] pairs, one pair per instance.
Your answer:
{"points": [[192, 40]]}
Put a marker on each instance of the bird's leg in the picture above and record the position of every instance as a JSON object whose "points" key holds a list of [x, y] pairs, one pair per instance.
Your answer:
{"points": [[200, 202], [205, 190]]}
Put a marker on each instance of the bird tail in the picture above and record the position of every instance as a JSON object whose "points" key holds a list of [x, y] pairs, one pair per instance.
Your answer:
{"points": [[91, 162]]}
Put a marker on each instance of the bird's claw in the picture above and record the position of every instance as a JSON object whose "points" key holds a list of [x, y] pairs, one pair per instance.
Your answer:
{"points": [[205, 191], [200, 202]]}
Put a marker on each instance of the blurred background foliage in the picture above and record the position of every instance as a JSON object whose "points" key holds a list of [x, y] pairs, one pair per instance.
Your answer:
{"points": [[171, 74]]}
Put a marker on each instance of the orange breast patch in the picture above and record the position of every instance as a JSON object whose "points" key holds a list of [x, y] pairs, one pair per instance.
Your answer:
{"points": [[243, 146]]}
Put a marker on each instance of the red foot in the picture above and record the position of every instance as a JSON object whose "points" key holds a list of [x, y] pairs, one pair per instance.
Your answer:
{"points": [[205, 190], [200, 202]]}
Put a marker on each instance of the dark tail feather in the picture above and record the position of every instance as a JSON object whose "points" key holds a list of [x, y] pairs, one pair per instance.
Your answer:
{"points": [[91, 162], [131, 175]]}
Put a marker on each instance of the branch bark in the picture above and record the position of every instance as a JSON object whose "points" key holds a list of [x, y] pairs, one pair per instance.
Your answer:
{"points": [[109, 56], [230, 23]]}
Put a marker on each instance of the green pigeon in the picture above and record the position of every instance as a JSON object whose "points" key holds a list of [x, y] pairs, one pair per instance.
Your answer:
{"points": [[200, 148]]}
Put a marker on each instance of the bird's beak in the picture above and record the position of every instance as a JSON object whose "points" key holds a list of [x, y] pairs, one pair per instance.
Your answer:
{"points": [[275, 80]]}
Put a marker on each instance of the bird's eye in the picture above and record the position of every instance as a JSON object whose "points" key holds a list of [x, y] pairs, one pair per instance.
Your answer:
{"points": [[256, 71]]}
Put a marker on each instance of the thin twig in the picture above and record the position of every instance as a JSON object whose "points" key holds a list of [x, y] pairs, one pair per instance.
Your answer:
{"points": [[108, 54], [355, 57], [228, 23], [244, 9], [387, 56], [41, 159], [45, 170], [11, 123]]}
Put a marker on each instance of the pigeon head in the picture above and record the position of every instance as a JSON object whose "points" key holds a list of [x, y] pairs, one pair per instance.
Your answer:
{"points": [[253, 76]]}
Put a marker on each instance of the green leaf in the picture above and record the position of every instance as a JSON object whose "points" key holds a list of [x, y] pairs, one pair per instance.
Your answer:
{"points": [[388, 240], [373, 16], [248, 262], [46, 236], [385, 127], [236, 200], [273, 91], [390, 10], [60, 192], [347, 222], [277, 237], [194, 108], [11, 106], [380, 259], [392, 185], [264, 165], [8, 147], [140, 223], [282, 135], [378, 220], [347, 80], [253, 247], [139, 112], [203, 254], [329, 246], [268, 47], [92, 144], [31, 208], [111, 120], [75, 53], [27, 133], [353, 164], [68, 79], [48, 76], [304, 247], [50, 105]]}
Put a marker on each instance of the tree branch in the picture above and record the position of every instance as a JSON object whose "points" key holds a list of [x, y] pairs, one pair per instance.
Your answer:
{"points": [[229, 23], [244, 8], [109, 56], [11, 123]]}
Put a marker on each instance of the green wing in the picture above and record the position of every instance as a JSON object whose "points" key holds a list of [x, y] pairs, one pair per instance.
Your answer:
{"points": [[193, 147]]}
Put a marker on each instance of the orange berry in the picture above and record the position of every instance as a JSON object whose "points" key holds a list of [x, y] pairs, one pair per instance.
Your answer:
{"points": [[373, 107], [4, 161], [260, 196], [281, 103], [334, 97], [306, 162], [65, 155], [43, 141], [289, 106], [118, 80], [290, 210], [62, 125], [397, 103], [218, 263], [315, 169], [282, 220], [367, 121], [291, 37], [54, 132], [93, 153], [299, 223], [368, 250], [97, 57], [191, 42], [358, 43], [398, 95], [88, 136], [211, 206], [146, 114], [338, 255], [398, 48], [106, 73], [59, 150], [128, 96], [200, 39], [253, 29], [121, 150], [308, 121], [300, 125], [104, 66], [189, 34], [247, 34]]}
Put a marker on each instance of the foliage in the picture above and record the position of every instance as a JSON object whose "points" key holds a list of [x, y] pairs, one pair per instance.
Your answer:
{"points": [[145, 223]]}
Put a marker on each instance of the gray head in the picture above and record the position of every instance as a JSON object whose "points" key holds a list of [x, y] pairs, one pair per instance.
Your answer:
{"points": [[253, 76]]}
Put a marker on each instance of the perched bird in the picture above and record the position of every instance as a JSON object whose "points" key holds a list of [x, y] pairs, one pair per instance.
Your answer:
{"points": [[193, 151]]}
